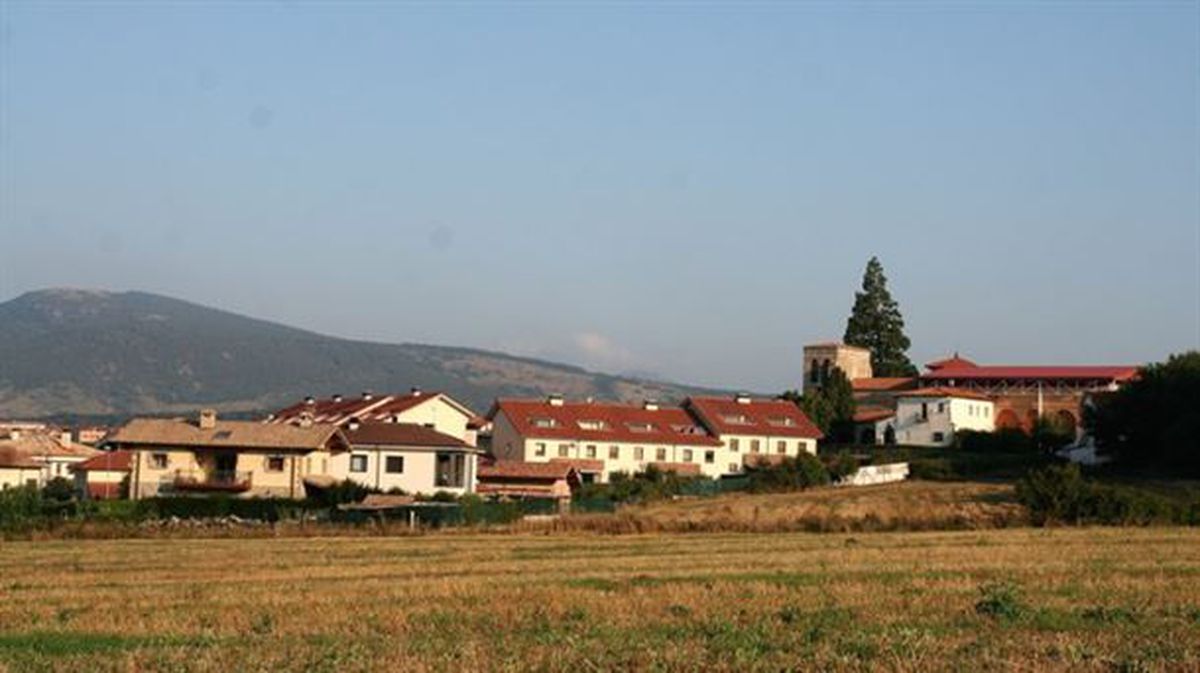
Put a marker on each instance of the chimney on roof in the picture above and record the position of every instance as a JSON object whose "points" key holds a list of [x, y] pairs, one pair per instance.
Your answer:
{"points": [[310, 400], [591, 400], [416, 391], [368, 395], [650, 405], [208, 419], [555, 400], [306, 419], [337, 397], [742, 398]]}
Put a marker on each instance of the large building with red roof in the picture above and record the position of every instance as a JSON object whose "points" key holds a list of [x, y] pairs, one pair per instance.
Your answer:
{"points": [[705, 435], [1021, 393]]}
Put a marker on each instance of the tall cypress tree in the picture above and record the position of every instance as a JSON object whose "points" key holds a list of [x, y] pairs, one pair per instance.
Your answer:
{"points": [[875, 323]]}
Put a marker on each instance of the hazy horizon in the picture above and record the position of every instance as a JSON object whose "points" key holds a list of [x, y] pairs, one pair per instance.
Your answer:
{"points": [[685, 191]]}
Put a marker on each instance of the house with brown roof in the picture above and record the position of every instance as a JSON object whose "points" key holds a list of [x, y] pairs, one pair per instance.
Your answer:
{"points": [[104, 476], [32, 456], [521, 480], [406, 456], [240, 458]]}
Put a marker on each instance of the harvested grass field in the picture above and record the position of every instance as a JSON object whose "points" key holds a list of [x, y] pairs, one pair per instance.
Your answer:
{"points": [[1020, 599], [910, 505]]}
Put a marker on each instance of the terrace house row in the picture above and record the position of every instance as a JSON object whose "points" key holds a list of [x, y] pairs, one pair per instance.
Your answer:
{"points": [[705, 435]]}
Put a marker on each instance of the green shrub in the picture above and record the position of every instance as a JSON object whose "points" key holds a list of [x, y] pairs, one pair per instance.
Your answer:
{"points": [[1006, 440], [1000, 601], [1061, 494], [789, 474], [20, 506], [58, 489], [649, 485], [840, 465]]}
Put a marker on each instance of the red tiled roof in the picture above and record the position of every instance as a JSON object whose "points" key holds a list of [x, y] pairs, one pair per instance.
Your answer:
{"points": [[581, 464], [516, 469], [110, 461], [775, 418], [883, 383], [945, 391], [603, 422], [872, 414], [953, 362], [400, 434], [378, 408], [1115, 373]]}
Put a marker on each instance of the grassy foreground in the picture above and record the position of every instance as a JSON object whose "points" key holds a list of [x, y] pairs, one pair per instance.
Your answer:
{"points": [[1099, 599]]}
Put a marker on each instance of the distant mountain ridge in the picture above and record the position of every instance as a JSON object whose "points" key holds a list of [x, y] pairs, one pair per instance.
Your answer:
{"points": [[98, 353]]}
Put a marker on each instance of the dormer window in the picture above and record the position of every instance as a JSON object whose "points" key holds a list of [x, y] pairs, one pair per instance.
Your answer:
{"points": [[639, 427], [781, 421], [543, 422], [736, 419], [592, 425]]}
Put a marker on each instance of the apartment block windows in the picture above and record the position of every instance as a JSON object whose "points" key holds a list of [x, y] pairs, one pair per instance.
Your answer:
{"points": [[358, 462], [539, 449]]}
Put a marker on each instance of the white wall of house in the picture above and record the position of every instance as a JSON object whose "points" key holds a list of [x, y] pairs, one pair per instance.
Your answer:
{"points": [[932, 421], [412, 470], [442, 416], [12, 477]]}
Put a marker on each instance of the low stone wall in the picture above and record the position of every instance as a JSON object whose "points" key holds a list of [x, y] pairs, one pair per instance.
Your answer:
{"points": [[876, 474]]}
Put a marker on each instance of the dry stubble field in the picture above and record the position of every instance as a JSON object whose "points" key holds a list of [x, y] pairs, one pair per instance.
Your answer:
{"points": [[1100, 599]]}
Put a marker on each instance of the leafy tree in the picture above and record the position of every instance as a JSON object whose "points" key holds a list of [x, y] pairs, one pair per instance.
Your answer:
{"points": [[58, 489], [875, 323], [831, 407], [1154, 421]]}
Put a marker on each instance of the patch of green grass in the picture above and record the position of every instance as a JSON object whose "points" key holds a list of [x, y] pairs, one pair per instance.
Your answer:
{"points": [[71, 643]]}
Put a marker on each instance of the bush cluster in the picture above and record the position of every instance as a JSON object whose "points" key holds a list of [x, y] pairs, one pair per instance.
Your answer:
{"points": [[1062, 494], [789, 474], [646, 486]]}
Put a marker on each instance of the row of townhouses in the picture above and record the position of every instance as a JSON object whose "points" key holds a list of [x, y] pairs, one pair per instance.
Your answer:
{"points": [[424, 443]]}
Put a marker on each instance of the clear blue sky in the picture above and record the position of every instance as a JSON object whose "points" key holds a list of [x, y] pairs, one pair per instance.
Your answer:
{"points": [[687, 190]]}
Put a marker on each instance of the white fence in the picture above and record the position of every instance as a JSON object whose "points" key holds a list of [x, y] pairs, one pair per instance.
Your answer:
{"points": [[876, 474]]}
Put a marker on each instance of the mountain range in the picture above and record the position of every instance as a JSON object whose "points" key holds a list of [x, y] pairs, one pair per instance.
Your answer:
{"points": [[91, 353]]}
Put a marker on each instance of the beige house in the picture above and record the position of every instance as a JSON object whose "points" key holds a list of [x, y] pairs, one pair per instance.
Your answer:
{"points": [[434, 410], [18, 469], [32, 456], [405, 456], [241, 458]]}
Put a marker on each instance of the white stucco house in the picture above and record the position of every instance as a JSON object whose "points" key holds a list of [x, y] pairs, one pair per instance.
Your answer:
{"points": [[932, 416], [406, 456]]}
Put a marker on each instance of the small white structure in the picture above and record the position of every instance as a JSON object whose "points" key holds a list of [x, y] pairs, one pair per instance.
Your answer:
{"points": [[931, 416], [876, 474]]}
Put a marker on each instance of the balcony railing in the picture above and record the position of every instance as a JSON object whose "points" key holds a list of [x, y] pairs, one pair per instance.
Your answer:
{"points": [[216, 480]]}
